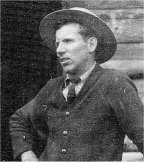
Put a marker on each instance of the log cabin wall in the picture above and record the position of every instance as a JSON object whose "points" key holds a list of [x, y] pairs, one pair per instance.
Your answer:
{"points": [[26, 63], [125, 18]]}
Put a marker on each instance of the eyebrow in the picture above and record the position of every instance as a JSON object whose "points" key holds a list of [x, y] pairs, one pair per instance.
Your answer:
{"points": [[65, 39]]}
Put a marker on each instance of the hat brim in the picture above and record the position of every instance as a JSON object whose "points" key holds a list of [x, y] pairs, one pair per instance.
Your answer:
{"points": [[106, 40]]}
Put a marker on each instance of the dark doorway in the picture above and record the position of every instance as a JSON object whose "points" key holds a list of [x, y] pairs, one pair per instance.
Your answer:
{"points": [[26, 63]]}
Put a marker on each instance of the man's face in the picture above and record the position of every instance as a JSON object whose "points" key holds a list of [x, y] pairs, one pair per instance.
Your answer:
{"points": [[72, 50]]}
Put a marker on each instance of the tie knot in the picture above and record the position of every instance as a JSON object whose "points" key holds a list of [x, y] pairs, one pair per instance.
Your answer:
{"points": [[73, 80]]}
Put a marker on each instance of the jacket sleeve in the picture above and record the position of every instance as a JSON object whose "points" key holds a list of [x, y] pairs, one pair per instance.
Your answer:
{"points": [[28, 127], [127, 107], [21, 130]]}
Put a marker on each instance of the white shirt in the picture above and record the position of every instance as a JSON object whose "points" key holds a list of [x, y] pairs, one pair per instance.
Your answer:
{"points": [[80, 84]]}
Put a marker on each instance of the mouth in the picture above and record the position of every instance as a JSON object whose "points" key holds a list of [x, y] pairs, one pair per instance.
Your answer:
{"points": [[63, 60]]}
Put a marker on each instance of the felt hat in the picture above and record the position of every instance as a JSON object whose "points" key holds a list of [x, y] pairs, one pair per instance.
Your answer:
{"points": [[107, 44]]}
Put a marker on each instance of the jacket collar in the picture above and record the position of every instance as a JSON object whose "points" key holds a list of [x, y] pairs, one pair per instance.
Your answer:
{"points": [[90, 82], [56, 98]]}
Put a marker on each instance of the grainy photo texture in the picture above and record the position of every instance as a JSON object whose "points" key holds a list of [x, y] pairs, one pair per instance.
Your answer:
{"points": [[72, 80]]}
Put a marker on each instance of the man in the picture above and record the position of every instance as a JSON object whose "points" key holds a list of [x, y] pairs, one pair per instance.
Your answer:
{"points": [[85, 114]]}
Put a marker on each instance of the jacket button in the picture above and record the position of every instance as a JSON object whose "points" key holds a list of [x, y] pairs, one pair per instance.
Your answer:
{"points": [[65, 132], [45, 107], [63, 151], [67, 113], [24, 137]]}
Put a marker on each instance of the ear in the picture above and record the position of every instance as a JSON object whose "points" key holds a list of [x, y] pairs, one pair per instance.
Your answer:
{"points": [[92, 44]]}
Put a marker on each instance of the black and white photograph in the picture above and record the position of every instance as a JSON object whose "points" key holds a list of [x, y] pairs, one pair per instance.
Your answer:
{"points": [[72, 80]]}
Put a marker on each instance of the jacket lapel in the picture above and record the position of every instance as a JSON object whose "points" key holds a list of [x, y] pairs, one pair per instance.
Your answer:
{"points": [[57, 97], [90, 82]]}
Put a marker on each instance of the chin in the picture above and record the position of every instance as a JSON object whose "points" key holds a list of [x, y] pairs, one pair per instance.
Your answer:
{"points": [[69, 71]]}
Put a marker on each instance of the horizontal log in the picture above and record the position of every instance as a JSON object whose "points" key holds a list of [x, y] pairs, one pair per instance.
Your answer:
{"points": [[113, 4], [120, 14], [132, 156], [127, 66], [103, 4], [126, 24], [133, 51]]}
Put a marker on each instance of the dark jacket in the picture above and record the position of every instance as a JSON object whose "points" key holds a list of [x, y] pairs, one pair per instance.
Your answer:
{"points": [[92, 128]]}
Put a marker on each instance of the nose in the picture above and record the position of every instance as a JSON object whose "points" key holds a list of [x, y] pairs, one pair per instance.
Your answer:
{"points": [[60, 49]]}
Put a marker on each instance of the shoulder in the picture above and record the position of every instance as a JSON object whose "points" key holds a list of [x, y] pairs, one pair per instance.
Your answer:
{"points": [[115, 76], [54, 81], [118, 80], [52, 84]]}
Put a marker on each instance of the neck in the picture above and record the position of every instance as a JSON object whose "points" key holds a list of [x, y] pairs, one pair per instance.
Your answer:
{"points": [[82, 71]]}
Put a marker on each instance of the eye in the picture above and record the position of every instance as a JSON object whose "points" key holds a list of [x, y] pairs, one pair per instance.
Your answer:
{"points": [[68, 40]]}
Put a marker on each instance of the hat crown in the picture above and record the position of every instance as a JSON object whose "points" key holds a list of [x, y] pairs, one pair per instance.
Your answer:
{"points": [[83, 10]]}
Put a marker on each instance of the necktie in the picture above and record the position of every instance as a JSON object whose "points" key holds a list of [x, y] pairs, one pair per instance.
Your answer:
{"points": [[71, 92]]}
